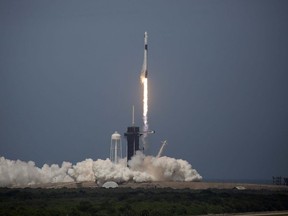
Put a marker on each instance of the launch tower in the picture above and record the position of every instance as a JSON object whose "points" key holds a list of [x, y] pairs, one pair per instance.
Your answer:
{"points": [[132, 135]]}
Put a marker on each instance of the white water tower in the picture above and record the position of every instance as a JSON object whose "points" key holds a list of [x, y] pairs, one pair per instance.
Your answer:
{"points": [[115, 147]]}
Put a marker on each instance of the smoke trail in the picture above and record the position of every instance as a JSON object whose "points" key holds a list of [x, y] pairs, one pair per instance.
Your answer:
{"points": [[142, 168], [161, 149]]}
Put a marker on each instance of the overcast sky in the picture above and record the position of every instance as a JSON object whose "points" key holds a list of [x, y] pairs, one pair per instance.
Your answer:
{"points": [[218, 81]]}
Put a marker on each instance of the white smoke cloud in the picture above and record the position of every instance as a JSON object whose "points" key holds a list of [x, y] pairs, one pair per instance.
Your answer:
{"points": [[141, 169]]}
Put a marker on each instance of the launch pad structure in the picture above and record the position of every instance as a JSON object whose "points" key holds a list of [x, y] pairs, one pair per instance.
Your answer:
{"points": [[132, 135]]}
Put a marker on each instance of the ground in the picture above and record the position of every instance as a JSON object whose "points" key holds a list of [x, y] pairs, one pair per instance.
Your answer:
{"points": [[169, 184], [145, 199]]}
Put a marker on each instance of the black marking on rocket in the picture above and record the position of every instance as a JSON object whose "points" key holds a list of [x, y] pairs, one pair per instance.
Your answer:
{"points": [[146, 73], [146, 47]]}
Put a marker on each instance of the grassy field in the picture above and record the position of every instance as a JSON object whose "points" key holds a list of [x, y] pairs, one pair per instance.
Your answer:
{"points": [[142, 202]]}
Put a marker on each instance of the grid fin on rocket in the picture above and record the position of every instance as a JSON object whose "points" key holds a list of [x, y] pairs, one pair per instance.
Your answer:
{"points": [[144, 71]]}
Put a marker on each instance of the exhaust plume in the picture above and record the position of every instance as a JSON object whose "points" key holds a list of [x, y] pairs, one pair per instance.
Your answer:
{"points": [[141, 169], [145, 111]]}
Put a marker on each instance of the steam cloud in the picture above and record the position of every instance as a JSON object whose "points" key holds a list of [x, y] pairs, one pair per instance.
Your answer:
{"points": [[141, 169]]}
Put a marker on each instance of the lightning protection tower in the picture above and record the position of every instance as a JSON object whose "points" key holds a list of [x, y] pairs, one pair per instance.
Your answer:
{"points": [[115, 147], [133, 133]]}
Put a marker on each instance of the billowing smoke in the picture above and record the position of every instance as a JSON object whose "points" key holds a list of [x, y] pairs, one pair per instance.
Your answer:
{"points": [[141, 169], [18, 173]]}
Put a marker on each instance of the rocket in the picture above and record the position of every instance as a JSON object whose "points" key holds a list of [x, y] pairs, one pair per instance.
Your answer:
{"points": [[144, 71]]}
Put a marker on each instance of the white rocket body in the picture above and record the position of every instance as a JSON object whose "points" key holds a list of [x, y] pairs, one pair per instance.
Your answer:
{"points": [[144, 71]]}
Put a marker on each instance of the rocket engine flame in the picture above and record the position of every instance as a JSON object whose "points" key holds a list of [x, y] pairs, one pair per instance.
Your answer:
{"points": [[145, 111], [145, 103]]}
